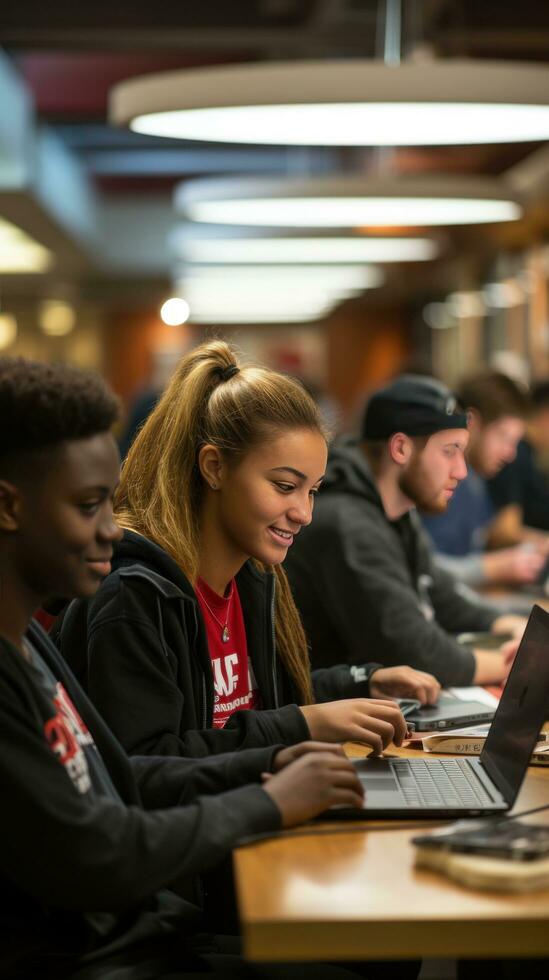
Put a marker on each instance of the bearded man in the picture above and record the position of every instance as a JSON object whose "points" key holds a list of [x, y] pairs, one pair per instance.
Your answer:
{"points": [[363, 574]]}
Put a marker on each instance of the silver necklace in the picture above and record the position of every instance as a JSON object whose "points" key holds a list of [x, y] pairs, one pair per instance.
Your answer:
{"points": [[225, 635]]}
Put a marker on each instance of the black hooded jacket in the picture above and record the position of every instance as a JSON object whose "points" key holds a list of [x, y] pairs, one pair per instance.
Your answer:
{"points": [[367, 586], [139, 649], [83, 858]]}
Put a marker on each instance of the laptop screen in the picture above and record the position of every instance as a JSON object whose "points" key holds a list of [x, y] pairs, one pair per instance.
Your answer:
{"points": [[523, 708]]}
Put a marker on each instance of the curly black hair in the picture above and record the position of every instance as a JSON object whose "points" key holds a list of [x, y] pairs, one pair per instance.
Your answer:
{"points": [[42, 405]]}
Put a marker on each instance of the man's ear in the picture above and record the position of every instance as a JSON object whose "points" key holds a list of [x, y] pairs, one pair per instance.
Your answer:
{"points": [[401, 448], [10, 506], [210, 464], [474, 422]]}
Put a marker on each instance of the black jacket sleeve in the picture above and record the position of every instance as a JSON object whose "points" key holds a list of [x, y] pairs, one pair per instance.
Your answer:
{"points": [[456, 607], [342, 681], [169, 781], [76, 851], [368, 587]]}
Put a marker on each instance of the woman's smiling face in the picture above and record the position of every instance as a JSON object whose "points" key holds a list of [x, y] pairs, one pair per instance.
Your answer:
{"points": [[264, 500]]}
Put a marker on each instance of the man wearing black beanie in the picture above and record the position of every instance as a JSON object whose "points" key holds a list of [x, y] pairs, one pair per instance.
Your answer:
{"points": [[362, 573]]}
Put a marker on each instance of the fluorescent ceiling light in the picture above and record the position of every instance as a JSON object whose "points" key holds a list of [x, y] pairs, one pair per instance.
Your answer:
{"points": [[348, 201], [242, 294], [222, 309], [287, 277], [282, 249], [19, 253], [355, 103], [328, 213]]}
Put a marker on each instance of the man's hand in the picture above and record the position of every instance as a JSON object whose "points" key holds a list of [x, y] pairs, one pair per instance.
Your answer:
{"points": [[513, 565], [286, 756], [510, 624], [490, 666], [404, 682], [311, 784], [372, 722]]}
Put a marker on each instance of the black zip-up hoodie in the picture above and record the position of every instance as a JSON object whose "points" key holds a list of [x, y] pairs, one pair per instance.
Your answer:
{"points": [[139, 649], [82, 858], [365, 585]]}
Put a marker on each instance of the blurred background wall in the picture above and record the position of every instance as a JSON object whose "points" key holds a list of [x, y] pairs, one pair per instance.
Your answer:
{"points": [[87, 213]]}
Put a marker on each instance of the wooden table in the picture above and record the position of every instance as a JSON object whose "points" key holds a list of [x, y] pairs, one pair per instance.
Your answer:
{"points": [[350, 891]]}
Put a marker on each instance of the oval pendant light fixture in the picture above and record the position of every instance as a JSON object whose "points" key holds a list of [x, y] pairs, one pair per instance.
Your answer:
{"points": [[270, 294], [225, 245], [341, 103], [348, 201]]}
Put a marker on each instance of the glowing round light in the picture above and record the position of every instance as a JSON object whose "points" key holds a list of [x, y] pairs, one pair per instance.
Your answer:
{"points": [[348, 201], [354, 102], [437, 316], [175, 311], [56, 317]]}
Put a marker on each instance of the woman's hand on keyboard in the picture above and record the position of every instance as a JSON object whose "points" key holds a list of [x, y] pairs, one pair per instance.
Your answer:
{"points": [[404, 682], [370, 721], [293, 752], [312, 784]]}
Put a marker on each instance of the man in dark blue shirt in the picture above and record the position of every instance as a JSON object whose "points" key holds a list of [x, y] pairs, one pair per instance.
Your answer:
{"points": [[497, 410], [521, 490]]}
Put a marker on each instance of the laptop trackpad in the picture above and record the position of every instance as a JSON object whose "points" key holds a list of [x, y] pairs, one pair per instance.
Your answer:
{"points": [[380, 783]]}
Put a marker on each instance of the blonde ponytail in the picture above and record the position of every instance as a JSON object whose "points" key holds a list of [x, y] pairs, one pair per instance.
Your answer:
{"points": [[212, 399], [160, 486]]}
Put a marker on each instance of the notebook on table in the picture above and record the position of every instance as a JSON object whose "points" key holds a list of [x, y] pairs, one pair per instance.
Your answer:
{"points": [[461, 786]]}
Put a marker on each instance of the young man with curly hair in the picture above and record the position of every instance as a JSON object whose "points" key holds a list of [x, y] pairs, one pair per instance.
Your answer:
{"points": [[91, 839]]}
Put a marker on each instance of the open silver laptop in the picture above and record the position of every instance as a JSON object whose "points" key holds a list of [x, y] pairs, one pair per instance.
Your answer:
{"points": [[464, 786]]}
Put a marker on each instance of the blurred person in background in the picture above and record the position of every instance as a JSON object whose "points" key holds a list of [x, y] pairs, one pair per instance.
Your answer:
{"points": [[362, 574], [139, 410], [144, 400], [497, 411], [520, 492]]}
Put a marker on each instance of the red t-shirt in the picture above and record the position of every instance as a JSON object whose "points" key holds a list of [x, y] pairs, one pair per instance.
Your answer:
{"points": [[234, 684]]}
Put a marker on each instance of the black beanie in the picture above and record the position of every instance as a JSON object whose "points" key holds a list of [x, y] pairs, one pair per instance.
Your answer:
{"points": [[413, 404]]}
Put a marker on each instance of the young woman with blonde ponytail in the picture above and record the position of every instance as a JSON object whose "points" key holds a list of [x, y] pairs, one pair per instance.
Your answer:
{"points": [[193, 643]]}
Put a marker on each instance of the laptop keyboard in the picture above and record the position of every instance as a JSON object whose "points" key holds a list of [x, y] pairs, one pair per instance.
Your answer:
{"points": [[436, 782]]}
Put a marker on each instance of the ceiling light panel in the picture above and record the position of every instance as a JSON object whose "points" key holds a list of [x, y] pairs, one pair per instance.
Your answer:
{"points": [[19, 253], [337, 213], [304, 250], [339, 202], [242, 294], [354, 102], [287, 277], [374, 124]]}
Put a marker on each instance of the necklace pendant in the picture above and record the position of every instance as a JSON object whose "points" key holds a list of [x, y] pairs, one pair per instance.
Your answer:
{"points": [[225, 634]]}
